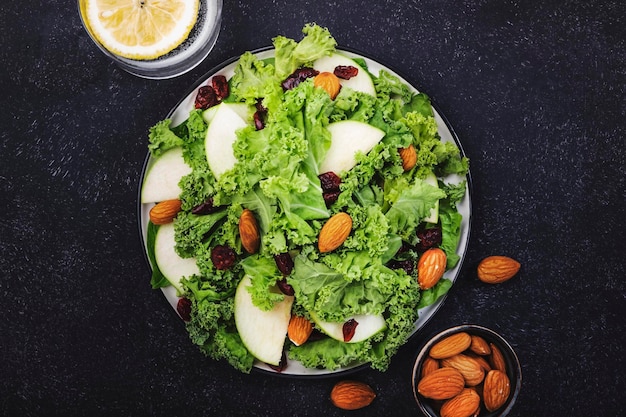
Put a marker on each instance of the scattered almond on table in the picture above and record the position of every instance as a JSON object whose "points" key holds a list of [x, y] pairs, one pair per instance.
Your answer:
{"points": [[352, 395], [497, 269]]}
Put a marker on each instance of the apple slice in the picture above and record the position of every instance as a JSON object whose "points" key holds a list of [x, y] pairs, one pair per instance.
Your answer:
{"points": [[163, 176], [242, 109], [434, 212], [262, 332], [171, 265], [220, 137], [361, 82], [347, 138], [368, 326]]}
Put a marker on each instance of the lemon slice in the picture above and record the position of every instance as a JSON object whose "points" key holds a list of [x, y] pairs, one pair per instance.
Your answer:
{"points": [[141, 29]]}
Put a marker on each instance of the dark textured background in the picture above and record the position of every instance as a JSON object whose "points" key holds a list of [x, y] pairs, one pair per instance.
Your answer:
{"points": [[535, 91]]}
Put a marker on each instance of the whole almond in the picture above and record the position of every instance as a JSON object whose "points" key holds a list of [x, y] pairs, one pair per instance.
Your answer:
{"points": [[334, 232], [329, 82], [464, 404], [471, 370], [165, 211], [409, 157], [497, 358], [430, 267], [481, 360], [479, 345], [497, 269], [429, 365], [299, 330], [496, 389], [352, 395], [249, 231], [441, 384], [450, 346]]}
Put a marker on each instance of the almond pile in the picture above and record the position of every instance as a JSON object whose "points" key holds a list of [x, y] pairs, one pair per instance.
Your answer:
{"points": [[462, 373]]}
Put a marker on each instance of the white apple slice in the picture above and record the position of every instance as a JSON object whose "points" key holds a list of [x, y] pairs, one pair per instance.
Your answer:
{"points": [[242, 109], [361, 82], [171, 265], [220, 137], [163, 176], [368, 326], [262, 332], [434, 212], [347, 138]]}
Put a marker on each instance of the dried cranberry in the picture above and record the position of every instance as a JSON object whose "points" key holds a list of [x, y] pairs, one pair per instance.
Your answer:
{"points": [[329, 181], [220, 86], [259, 122], [205, 208], [408, 265], [184, 308], [316, 335], [330, 197], [349, 328], [345, 72], [206, 97], [281, 365], [223, 257], [297, 77], [429, 238], [284, 287], [284, 263]]}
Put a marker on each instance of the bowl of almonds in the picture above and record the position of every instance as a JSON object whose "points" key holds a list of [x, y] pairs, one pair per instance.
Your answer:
{"points": [[464, 371]]}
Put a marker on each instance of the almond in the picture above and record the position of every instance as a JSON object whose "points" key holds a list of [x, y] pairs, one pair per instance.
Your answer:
{"points": [[441, 384], [329, 82], [249, 231], [352, 395], [479, 345], [334, 232], [430, 268], [481, 361], [471, 370], [409, 157], [165, 211], [497, 269], [450, 346], [464, 404], [497, 358], [496, 389], [299, 330], [429, 366]]}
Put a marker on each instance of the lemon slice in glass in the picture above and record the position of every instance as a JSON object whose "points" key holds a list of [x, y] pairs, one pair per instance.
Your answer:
{"points": [[141, 29]]}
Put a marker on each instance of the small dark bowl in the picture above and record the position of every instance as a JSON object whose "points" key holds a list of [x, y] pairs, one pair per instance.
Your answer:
{"points": [[513, 369]]}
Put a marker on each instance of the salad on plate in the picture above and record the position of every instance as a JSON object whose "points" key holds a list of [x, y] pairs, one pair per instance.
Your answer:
{"points": [[300, 209]]}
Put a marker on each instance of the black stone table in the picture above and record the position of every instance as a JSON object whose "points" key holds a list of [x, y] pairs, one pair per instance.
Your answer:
{"points": [[535, 91]]}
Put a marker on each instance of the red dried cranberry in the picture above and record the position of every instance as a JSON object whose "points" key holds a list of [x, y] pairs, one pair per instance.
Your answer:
{"points": [[330, 197], [345, 72], [329, 181], [206, 97], [205, 208], [297, 77], [284, 287], [259, 122], [184, 308], [429, 238], [223, 257], [284, 263], [316, 335], [349, 328], [220, 86], [408, 265]]}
